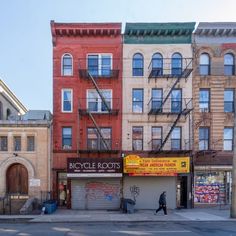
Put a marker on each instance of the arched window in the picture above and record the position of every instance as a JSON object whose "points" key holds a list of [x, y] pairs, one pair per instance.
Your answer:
{"points": [[138, 64], [229, 64], [67, 69], [204, 68], [157, 64], [8, 113], [176, 64], [1, 111]]}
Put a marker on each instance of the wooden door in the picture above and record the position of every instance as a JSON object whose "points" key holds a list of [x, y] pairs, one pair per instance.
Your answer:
{"points": [[17, 179]]}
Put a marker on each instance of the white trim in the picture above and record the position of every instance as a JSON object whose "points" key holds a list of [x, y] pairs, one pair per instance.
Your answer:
{"points": [[75, 175], [62, 74], [62, 100], [99, 60]]}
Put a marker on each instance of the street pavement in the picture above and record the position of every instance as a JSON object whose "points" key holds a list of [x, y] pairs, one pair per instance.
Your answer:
{"points": [[65, 215]]}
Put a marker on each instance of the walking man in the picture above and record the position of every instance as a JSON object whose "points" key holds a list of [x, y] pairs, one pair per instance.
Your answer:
{"points": [[162, 203]]}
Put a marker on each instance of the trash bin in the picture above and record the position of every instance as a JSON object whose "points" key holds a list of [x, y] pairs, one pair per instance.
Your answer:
{"points": [[130, 206], [127, 205], [50, 206]]}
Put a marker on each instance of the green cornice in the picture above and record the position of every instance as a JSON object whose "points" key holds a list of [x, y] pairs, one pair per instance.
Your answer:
{"points": [[158, 33]]}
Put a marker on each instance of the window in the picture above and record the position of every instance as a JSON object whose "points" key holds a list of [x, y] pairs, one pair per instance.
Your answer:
{"points": [[8, 113], [67, 100], [228, 138], [204, 64], [17, 143], [1, 111], [138, 100], [229, 64], [138, 64], [95, 103], [3, 143], [100, 64], [157, 99], [157, 64], [137, 137], [66, 138], [156, 137], [204, 100], [176, 64], [203, 138], [30, 143], [67, 65], [176, 138], [95, 141], [176, 101], [229, 100]]}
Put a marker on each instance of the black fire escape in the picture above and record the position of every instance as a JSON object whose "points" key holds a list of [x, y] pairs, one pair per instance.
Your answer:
{"points": [[157, 105], [109, 105]]}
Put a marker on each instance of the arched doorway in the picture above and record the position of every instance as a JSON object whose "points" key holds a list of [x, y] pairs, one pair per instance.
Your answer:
{"points": [[17, 179]]}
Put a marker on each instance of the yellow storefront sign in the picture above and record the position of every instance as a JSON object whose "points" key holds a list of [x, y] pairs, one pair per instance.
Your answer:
{"points": [[171, 166]]}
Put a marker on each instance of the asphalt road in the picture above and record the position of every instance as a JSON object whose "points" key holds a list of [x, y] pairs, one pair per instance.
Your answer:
{"points": [[121, 229]]}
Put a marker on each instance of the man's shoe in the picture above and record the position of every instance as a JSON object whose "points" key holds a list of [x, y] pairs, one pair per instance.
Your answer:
{"points": [[155, 213]]}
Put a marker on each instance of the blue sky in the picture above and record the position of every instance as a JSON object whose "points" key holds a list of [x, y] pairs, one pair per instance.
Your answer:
{"points": [[25, 38]]}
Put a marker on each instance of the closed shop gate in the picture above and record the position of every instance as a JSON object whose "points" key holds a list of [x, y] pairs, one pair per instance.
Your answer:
{"points": [[95, 194]]}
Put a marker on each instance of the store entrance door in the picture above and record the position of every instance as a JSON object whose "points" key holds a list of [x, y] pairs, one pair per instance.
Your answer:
{"points": [[182, 192]]}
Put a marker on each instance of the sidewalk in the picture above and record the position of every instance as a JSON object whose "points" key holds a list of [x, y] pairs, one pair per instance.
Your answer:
{"points": [[64, 215]]}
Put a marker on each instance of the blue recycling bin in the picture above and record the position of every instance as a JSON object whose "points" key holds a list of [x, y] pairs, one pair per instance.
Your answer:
{"points": [[50, 206]]}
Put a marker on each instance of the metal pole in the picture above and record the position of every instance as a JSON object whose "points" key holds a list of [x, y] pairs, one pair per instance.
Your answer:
{"points": [[233, 200]]}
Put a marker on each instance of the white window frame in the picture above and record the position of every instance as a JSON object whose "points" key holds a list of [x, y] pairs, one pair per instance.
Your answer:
{"points": [[62, 72], [99, 60], [99, 110], [62, 100]]}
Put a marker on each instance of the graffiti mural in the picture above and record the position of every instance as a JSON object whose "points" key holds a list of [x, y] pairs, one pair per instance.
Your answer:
{"points": [[99, 190], [134, 190]]}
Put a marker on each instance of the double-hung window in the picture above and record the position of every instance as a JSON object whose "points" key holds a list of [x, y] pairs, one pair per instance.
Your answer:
{"points": [[228, 64], [176, 101], [96, 142], [204, 68], [17, 143], [176, 64], [176, 139], [204, 100], [67, 69], [204, 134], [3, 143], [156, 137], [229, 100], [157, 99], [137, 97], [137, 138], [67, 100], [66, 137], [157, 64], [100, 65], [30, 143], [138, 64], [95, 102], [228, 138]]}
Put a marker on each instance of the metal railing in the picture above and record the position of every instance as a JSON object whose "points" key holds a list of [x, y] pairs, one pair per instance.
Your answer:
{"points": [[170, 68], [171, 106], [97, 106]]}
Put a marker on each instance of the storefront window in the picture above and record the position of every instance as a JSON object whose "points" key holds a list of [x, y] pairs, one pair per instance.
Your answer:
{"points": [[212, 188], [62, 189]]}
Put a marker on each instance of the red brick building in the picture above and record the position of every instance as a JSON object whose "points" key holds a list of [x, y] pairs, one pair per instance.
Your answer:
{"points": [[87, 105]]}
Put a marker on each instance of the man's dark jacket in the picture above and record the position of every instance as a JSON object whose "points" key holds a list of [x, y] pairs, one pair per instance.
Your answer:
{"points": [[162, 199]]}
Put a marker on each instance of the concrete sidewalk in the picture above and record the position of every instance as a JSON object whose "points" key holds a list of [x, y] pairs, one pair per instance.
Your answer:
{"points": [[64, 215]]}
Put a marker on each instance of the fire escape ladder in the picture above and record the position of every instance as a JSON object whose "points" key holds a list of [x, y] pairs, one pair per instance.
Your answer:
{"points": [[99, 92], [169, 133], [168, 94], [99, 131]]}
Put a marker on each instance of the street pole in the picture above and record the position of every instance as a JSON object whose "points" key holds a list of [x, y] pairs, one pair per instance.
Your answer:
{"points": [[233, 197]]}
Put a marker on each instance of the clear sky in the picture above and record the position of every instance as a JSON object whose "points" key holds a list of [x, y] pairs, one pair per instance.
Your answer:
{"points": [[25, 36]]}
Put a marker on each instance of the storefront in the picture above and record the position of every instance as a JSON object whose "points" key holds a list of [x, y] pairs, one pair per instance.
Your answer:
{"points": [[146, 178], [212, 186], [96, 183]]}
